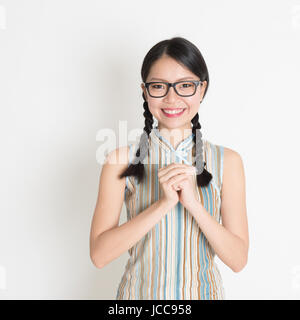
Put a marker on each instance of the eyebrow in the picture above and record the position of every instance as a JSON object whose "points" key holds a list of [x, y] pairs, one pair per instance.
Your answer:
{"points": [[184, 78]]}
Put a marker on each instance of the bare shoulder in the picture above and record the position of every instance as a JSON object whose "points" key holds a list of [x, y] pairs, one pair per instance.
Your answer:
{"points": [[231, 154], [232, 160], [233, 171], [115, 163], [118, 156]]}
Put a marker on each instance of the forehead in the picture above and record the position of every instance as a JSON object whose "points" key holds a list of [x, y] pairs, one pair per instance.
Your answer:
{"points": [[168, 69]]}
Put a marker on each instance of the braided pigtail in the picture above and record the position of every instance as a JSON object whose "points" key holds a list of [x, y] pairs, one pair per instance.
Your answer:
{"points": [[136, 168], [203, 176]]}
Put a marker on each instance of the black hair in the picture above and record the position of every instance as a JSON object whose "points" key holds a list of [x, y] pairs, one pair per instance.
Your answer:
{"points": [[186, 53]]}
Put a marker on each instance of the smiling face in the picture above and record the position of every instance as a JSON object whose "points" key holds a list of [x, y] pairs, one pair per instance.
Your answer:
{"points": [[169, 70]]}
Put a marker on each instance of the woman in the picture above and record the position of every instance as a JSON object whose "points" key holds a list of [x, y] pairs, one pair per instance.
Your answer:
{"points": [[177, 190]]}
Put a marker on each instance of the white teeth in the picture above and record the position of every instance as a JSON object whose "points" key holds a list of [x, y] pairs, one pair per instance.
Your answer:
{"points": [[173, 111]]}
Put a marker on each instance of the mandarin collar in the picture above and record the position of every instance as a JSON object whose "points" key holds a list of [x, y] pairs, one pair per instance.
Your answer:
{"points": [[181, 150]]}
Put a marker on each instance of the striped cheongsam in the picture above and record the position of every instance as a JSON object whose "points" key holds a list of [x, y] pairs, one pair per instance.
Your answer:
{"points": [[173, 260]]}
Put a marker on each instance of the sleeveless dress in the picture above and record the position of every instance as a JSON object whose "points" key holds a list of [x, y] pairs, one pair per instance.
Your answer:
{"points": [[173, 260]]}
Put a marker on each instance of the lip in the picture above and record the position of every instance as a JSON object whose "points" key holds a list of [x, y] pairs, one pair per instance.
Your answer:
{"points": [[175, 115]]}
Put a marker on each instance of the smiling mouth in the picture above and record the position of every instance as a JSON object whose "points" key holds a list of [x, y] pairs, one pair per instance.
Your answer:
{"points": [[173, 112]]}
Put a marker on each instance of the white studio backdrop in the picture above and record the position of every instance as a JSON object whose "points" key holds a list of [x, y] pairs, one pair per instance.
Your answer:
{"points": [[70, 68]]}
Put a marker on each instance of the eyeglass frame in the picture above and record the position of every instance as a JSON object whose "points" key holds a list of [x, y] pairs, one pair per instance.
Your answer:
{"points": [[169, 84]]}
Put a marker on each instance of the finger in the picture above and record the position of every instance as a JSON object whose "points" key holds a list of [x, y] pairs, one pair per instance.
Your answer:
{"points": [[176, 188], [178, 185], [175, 171], [176, 179], [164, 170]]}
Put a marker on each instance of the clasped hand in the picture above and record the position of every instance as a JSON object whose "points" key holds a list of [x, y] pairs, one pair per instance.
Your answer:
{"points": [[180, 178]]}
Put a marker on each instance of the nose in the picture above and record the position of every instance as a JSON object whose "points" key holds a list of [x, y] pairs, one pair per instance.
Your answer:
{"points": [[171, 95]]}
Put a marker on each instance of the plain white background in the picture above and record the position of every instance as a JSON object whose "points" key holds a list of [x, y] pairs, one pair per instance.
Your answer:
{"points": [[70, 68]]}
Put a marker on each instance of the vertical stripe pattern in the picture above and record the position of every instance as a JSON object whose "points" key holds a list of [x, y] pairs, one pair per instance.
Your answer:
{"points": [[173, 260]]}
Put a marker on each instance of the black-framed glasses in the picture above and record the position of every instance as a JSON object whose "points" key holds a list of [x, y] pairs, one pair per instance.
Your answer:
{"points": [[159, 89]]}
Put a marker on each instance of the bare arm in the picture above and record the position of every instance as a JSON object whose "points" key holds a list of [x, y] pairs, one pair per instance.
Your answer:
{"points": [[230, 240], [108, 240], [110, 244]]}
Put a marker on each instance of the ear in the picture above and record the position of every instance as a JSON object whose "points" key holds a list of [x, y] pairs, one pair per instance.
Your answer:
{"points": [[145, 91], [203, 88]]}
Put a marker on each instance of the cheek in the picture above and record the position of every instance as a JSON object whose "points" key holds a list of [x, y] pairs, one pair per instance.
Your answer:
{"points": [[194, 102], [194, 105], [154, 108]]}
